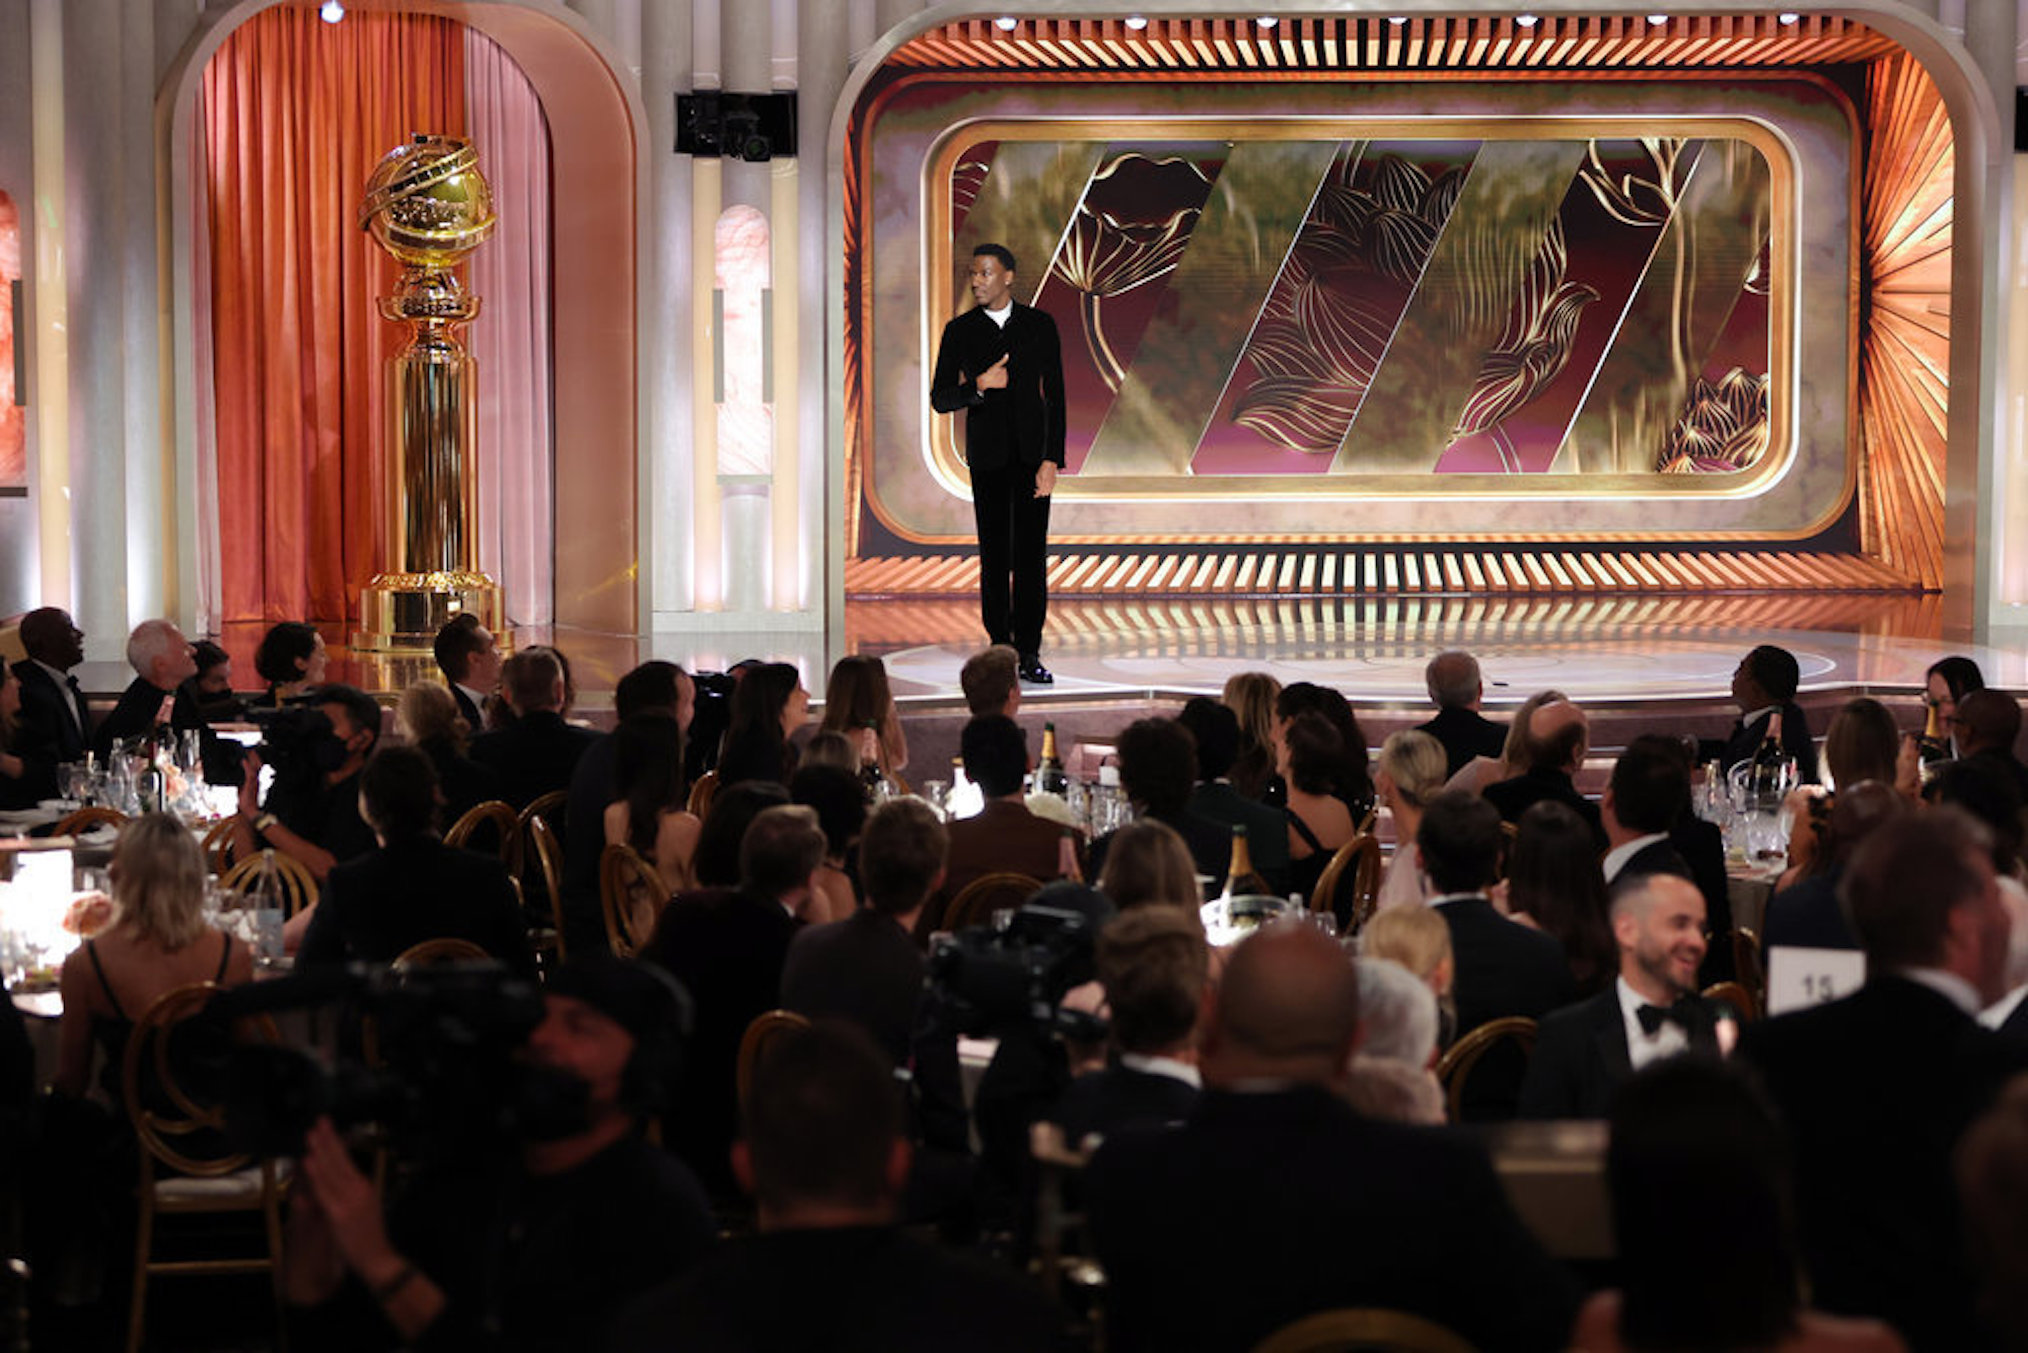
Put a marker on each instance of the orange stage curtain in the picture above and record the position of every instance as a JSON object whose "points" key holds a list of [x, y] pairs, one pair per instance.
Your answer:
{"points": [[296, 114]]}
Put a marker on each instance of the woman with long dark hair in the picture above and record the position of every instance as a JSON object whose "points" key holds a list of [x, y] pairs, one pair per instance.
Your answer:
{"points": [[1555, 884], [650, 813], [1350, 781], [858, 699], [768, 705], [292, 660]]}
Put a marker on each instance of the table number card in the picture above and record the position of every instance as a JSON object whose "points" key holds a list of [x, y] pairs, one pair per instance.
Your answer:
{"points": [[1798, 978]]}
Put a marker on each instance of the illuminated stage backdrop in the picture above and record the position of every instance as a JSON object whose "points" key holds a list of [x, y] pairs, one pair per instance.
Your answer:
{"points": [[1384, 309]]}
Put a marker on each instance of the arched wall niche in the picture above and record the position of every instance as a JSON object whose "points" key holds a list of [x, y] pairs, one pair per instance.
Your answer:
{"points": [[597, 130]]}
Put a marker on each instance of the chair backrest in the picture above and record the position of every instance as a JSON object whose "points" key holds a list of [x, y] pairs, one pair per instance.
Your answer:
{"points": [[1747, 965], [1737, 996], [496, 815], [443, 949], [1359, 1330], [753, 1044], [978, 900], [1360, 858], [1454, 1068], [543, 849], [292, 880], [549, 807], [84, 819], [624, 880], [701, 793], [172, 1119], [218, 845]]}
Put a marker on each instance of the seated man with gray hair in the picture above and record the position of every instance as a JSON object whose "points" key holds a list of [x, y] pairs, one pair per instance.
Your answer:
{"points": [[1391, 1076], [1456, 689], [162, 660]]}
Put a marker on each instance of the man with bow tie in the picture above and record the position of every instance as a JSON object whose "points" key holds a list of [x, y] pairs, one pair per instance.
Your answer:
{"points": [[54, 723], [1585, 1052]]}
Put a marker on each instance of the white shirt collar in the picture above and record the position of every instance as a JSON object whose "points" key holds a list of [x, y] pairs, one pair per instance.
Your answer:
{"points": [[478, 698], [1644, 1047], [1457, 897], [1994, 1015], [62, 680], [1616, 858], [1162, 1066], [1751, 719], [1948, 985], [1001, 316]]}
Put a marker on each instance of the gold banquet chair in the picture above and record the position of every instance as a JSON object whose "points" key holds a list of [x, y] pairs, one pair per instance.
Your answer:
{"points": [[184, 1166], [1454, 1068], [1359, 857], [978, 900], [494, 822], [294, 884], [540, 849], [627, 884], [1362, 1330], [760, 1035], [83, 820]]}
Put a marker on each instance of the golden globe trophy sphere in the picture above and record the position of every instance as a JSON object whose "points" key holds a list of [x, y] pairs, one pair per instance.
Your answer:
{"points": [[427, 203]]}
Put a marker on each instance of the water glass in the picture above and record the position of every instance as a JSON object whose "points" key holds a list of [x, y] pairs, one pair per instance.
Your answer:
{"points": [[937, 793]]}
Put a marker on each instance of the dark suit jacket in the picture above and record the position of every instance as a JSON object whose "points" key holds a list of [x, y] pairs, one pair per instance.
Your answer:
{"points": [[474, 716], [1745, 739], [1877, 1088], [1502, 968], [1262, 1208], [1465, 733], [1119, 1099], [592, 787], [383, 902], [532, 756], [1267, 830], [1808, 915], [1581, 1058], [46, 731], [1516, 796], [1000, 836], [136, 713], [727, 949], [1022, 424]]}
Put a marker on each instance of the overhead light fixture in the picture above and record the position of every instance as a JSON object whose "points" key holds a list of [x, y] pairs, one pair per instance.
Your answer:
{"points": [[1658, 19], [1789, 16], [1397, 19], [1005, 23], [1266, 21], [331, 11], [1525, 20], [1136, 22]]}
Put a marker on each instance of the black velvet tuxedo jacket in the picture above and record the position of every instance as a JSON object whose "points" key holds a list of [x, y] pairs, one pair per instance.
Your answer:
{"points": [[1876, 1089], [1465, 733], [1581, 1058], [1022, 424], [47, 731], [1262, 1208], [1119, 1099]]}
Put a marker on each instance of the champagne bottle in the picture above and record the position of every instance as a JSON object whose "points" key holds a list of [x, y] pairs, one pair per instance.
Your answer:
{"points": [[1241, 880], [1049, 776], [1935, 745]]}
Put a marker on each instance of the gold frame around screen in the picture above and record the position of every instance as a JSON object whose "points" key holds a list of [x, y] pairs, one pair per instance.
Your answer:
{"points": [[949, 469]]}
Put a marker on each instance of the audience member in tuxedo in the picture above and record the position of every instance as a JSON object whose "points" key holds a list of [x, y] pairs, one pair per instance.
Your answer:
{"points": [[1150, 865], [1585, 1052], [1988, 724], [312, 809], [1419, 940], [1457, 690], [991, 681], [838, 797], [1274, 1153], [1559, 735], [19, 781], [826, 1158], [54, 723], [1502, 968], [1251, 697], [1391, 1077], [768, 706], [292, 660], [732, 811], [858, 701], [427, 716], [413, 887], [1701, 1183], [1992, 1178], [532, 1243], [653, 689], [1554, 883], [1646, 812], [1764, 688], [1807, 914], [470, 661], [537, 751], [1158, 767], [211, 688], [1003, 836], [1878, 1087], [1318, 822], [162, 660], [1215, 729], [1513, 759], [1350, 781], [867, 968], [1409, 774], [1153, 964], [1702, 847], [649, 811], [728, 950]]}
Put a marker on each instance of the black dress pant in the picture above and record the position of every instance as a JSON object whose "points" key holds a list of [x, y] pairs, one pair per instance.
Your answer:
{"points": [[1013, 529]]}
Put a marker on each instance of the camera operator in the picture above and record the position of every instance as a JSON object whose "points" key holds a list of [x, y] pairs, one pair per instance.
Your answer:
{"points": [[312, 810], [539, 1250]]}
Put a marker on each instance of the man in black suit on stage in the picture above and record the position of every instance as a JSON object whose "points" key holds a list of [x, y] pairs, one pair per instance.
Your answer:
{"points": [[1002, 364], [1878, 1087], [1764, 687], [1456, 688], [1585, 1052], [1275, 1199], [54, 725]]}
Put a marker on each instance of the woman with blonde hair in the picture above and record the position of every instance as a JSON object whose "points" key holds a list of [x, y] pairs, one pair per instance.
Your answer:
{"points": [[1148, 863], [1419, 940], [1251, 696], [1410, 772], [427, 716], [1481, 771], [156, 942], [857, 700]]}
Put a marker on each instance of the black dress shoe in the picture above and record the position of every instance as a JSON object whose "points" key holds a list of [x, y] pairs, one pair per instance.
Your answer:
{"points": [[1034, 673]]}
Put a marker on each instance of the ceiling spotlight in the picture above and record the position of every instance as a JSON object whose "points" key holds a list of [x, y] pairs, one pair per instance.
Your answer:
{"points": [[1005, 23], [1136, 22], [1397, 19], [1789, 16], [1658, 19], [1525, 20], [331, 11], [1266, 21]]}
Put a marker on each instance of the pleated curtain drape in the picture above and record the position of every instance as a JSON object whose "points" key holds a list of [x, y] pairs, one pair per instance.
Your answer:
{"points": [[296, 112]]}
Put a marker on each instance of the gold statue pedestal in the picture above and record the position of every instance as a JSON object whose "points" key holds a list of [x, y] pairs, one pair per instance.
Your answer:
{"points": [[428, 206]]}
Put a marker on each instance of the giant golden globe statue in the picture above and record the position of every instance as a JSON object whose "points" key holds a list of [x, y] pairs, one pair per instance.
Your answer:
{"points": [[428, 205]]}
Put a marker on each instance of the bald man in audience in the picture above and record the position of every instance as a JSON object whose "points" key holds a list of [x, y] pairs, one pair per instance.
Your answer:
{"points": [[1559, 734], [1988, 724], [1294, 1203], [1457, 689]]}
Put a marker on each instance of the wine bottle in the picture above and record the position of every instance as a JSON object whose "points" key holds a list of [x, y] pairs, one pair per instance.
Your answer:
{"points": [[1049, 776], [1241, 880]]}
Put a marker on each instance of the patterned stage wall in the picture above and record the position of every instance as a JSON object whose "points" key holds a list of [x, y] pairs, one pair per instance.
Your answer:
{"points": [[1486, 310]]}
